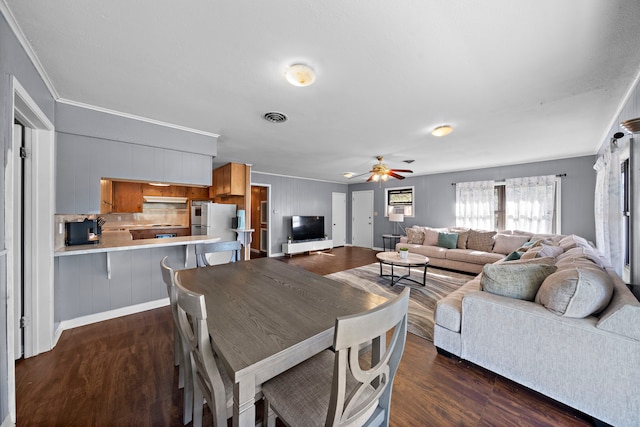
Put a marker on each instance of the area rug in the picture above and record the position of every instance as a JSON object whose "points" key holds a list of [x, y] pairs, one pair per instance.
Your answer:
{"points": [[440, 283]]}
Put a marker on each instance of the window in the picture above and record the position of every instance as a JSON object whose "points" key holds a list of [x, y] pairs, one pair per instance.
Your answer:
{"points": [[400, 200], [625, 183]]}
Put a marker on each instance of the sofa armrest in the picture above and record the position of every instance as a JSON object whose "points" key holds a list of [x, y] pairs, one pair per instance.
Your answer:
{"points": [[404, 239]]}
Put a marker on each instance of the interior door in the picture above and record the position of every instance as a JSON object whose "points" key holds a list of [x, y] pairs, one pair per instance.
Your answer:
{"points": [[339, 219], [362, 219], [15, 246]]}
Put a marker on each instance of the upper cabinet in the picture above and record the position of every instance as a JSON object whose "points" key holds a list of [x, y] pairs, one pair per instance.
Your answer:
{"points": [[228, 180]]}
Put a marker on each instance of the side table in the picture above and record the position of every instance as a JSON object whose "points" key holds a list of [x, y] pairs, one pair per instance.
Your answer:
{"points": [[392, 238]]}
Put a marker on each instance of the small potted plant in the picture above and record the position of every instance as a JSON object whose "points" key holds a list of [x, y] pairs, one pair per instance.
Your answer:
{"points": [[404, 252]]}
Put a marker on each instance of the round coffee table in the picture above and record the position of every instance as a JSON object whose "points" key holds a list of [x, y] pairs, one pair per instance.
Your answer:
{"points": [[413, 260]]}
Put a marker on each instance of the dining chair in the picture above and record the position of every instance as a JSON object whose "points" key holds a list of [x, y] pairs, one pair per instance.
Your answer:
{"points": [[202, 249], [211, 381], [337, 389], [185, 379]]}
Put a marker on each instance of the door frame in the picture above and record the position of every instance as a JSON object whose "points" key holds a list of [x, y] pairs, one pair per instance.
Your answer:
{"points": [[269, 224], [39, 210]]}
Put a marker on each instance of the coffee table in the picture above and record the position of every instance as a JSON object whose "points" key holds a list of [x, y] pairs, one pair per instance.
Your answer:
{"points": [[413, 260]]}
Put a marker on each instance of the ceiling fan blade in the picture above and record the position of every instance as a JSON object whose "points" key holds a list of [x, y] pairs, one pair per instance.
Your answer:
{"points": [[402, 170], [359, 175], [370, 178], [395, 175]]}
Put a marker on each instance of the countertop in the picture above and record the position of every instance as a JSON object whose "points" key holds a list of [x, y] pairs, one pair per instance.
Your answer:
{"points": [[126, 245]]}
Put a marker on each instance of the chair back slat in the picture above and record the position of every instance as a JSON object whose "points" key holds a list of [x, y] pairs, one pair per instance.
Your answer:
{"points": [[373, 384], [202, 249]]}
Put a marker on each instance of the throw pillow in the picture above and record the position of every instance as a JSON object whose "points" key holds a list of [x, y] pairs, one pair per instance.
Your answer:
{"points": [[549, 250], [520, 281], [415, 236], [507, 243], [447, 240], [463, 236], [513, 256], [531, 253], [576, 292], [430, 237], [480, 240]]}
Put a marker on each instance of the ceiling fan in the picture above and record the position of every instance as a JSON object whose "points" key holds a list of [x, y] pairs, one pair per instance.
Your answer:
{"points": [[381, 172]]}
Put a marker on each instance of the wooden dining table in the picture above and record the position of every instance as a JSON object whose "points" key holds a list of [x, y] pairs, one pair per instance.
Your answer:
{"points": [[265, 316]]}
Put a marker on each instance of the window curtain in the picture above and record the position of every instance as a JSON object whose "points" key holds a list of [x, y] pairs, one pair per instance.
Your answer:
{"points": [[475, 205], [530, 203], [608, 207]]}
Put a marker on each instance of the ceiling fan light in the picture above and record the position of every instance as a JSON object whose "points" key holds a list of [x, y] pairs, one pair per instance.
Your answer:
{"points": [[300, 75], [376, 177], [443, 130], [348, 174]]}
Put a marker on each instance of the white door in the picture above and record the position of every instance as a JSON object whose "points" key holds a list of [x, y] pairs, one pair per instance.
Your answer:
{"points": [[362, 219], [339, 219]]}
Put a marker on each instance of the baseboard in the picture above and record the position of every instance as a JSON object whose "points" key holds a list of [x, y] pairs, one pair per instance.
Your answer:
{"points": [[107, 315], [7, 422]]}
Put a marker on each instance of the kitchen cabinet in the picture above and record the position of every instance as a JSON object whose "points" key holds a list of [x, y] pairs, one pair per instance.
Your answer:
{"points": [[127, 196], [228, 180]]}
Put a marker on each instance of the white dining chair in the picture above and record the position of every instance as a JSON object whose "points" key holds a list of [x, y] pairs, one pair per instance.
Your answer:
{"points": [[202, 249], [334, 389], [211, 381], [183, 362]]}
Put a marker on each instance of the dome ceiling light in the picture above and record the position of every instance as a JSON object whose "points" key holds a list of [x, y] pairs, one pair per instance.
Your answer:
{"points": [[443, 130], [300, 75]]}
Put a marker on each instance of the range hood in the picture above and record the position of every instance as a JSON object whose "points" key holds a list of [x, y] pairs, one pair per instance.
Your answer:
{"points": [[162, 199]]}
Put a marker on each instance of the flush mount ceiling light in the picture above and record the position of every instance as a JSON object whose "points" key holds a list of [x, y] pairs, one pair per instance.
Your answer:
{"points": [[275, 117], [443, 130], [300, 75]]}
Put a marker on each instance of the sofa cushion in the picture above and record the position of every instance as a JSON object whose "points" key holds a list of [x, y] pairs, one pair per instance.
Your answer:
{"points": [[547, 260], [428, 251], [571, 241], [430, 236], [415, 236], [463, 236], [531, 253], [480, 240], [582, 252], [520, 281], [472, 257], [576, 292], [448, 240], [507, 243]]}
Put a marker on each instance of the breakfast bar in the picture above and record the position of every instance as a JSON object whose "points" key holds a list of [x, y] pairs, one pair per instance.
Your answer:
{"points": [[109, 279]]}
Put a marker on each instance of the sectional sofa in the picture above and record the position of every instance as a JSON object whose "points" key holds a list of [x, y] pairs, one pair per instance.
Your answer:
{"points": [[551, 315]]}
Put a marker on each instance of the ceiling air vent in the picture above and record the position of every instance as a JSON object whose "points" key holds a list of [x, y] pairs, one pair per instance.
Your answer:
{"points": [[632, 125], [275, 117]]}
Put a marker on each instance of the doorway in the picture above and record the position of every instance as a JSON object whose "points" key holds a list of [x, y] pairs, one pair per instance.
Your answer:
{"points": [[362, 219], [260, 218]]}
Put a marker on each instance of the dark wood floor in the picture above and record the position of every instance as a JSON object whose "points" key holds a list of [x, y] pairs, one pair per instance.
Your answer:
{"points": [[120, 373]]}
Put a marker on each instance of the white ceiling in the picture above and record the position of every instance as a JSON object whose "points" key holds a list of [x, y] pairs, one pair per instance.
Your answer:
{"points": [[519, 81]]}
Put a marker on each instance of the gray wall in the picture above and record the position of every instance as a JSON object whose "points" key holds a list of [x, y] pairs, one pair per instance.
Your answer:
{"points": [[296, 196], [435, 197], [13, 61], [92, 145]]}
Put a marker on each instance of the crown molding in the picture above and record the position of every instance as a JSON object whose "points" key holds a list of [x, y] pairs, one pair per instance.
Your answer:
{"points": [[300, 177], [134, 117], [22, 39]]}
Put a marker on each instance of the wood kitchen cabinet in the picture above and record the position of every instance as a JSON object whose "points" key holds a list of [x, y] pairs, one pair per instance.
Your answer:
{"points": [[228, 180], [127, 196]]}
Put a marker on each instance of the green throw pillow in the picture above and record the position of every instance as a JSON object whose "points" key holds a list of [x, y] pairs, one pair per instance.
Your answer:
{"points": [[448, 240], [513, 256], [520, 281]]}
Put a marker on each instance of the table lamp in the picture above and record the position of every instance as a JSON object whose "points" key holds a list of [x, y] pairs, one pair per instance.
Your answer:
{"points": [[396, 218]]}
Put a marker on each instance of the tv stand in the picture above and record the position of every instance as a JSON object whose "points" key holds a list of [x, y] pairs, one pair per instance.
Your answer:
{"points": [[301, 247]]}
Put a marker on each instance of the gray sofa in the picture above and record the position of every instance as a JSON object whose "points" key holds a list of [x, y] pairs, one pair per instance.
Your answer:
{"points": [[552, 344], [469, 250]]}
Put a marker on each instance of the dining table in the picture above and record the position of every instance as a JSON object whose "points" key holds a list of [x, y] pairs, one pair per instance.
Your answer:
{"points": [[265, 316]]}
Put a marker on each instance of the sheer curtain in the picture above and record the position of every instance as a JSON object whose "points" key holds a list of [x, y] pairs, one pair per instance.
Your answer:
{"points": [[475, 205], [530, 203], [608, 208]]}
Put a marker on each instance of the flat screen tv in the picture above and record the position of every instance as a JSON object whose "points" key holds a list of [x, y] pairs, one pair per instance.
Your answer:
{"points": [[307, 228]]}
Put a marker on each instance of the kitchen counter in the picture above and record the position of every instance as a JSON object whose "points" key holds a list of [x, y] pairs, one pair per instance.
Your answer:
{"points": [[127, 245]]}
